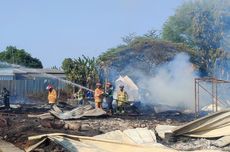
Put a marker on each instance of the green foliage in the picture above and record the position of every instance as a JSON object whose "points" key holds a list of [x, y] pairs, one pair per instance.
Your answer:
{"points": [[132, 41], [67, 66], [178, 27], [81, 70], [143, 53], [202, 25], [111, 54], [19, 56]]}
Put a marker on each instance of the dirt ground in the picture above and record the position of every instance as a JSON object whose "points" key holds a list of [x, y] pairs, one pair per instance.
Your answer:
{"points": [[16, 126]]}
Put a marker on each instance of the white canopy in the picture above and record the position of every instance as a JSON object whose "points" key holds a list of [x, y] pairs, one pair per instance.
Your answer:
{"points": [[129, 86]]}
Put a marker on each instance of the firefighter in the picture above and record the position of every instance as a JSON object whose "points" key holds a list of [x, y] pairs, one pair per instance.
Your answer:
{"points": [[109, 96], [6, 98], [52, 95], [89, 95], [80, 96], [98, 96], [122, 99]]}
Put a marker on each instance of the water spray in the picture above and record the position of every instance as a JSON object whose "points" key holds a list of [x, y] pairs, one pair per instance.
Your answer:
{"points": [[66, 81]]}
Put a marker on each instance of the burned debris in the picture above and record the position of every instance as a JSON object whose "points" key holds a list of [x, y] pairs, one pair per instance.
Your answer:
{"points": [[117, 118]]}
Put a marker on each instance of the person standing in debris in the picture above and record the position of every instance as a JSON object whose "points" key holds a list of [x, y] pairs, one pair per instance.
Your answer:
{"points": [[89, 95], [122, 99], [109, 96], [98, 96], [52, 95], [6, 98], [74, 95], [80, 96]]}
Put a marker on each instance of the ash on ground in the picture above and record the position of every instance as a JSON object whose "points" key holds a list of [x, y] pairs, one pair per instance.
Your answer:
{"points": [[16, 127]]}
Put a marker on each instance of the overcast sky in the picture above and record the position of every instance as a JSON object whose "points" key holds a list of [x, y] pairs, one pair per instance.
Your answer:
{"points": [[52, 30]]}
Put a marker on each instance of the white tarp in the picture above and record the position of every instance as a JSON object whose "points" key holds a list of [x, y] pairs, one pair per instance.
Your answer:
{"points": [[130, 87]]}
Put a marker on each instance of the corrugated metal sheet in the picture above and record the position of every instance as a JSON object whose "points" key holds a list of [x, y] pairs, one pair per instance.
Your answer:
{"points": [[21, 88], [8, 147], [76, 113], [6, 77], [211, 126], [135, 140], [131, 140], [28, 73]]}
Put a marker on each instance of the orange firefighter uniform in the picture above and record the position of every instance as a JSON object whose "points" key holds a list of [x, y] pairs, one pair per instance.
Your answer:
{"points": [[98, 97], [52, 96]]}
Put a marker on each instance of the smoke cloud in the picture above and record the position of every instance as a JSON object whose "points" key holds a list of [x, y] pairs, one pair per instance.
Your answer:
{"points": [[173, 83]]}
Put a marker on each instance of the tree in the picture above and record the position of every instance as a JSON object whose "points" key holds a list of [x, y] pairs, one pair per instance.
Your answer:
{"points": [[202, 25], [55, 67], [129, 38], [19, 56], [178, 27], [82, 70], [153, 34], [67, 66]]}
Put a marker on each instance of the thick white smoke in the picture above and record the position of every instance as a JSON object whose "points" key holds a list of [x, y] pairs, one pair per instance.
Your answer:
{"points": [[173, 83]]}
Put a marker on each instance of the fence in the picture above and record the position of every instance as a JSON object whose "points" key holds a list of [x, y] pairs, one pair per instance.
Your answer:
{"points": [[21, 88]]}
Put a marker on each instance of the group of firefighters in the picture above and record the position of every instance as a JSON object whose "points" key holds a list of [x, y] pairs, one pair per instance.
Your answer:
{"points": [[98, 96]]}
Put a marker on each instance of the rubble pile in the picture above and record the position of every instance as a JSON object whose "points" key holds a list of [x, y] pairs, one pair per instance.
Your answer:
{"points": [[33, 121], [188, 144]]}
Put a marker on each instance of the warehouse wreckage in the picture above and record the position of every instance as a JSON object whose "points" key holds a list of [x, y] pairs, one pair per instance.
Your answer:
{"points": [[87, 129]]}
